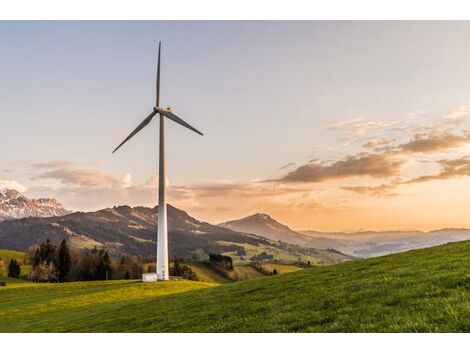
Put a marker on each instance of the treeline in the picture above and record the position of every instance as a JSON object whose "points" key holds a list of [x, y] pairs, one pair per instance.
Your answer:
{"points": [[51, 263], [177, 269], [222, 264]]}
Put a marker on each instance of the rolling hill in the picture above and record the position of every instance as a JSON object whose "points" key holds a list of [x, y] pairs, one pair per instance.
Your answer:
{"points": [[422, 290], [127, 230]]}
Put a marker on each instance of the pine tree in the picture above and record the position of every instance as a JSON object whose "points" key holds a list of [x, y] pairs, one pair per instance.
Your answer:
{"points": [[63, 261], [103, 269], [36, 258], [47, 252], [14, 270]]}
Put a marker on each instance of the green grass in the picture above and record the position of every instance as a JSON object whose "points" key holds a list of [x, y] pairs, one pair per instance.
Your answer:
{"points": [[6, 255], [281, 268], [206, 274], [425, 290], [244, 272]]}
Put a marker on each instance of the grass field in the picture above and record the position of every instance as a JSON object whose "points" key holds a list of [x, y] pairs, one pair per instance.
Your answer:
{"points": [[281, 268], [206, 274], [425, 290], [244, 272], [7, 255]]}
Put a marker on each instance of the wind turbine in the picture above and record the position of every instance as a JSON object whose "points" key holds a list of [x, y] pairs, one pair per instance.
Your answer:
{"points": [[162, 233]]}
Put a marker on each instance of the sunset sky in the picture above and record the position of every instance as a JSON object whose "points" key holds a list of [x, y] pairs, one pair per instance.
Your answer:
{"points": [[323, 125]]}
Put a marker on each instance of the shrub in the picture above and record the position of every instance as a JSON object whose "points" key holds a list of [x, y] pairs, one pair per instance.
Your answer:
{"points": [[44, 272]]}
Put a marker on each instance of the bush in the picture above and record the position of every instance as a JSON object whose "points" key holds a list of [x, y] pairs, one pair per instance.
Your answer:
{"points": [[44, 272]]}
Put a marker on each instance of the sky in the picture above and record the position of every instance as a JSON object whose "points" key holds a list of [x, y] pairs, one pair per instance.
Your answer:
{"points": [[331, 126]]}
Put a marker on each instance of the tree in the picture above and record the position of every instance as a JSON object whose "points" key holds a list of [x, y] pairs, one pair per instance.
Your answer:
{"points": [[220, 262], [63, 261], [182, 270], [44, 272], [14, 269], [103, 269], [46, 253], [2, 268]]}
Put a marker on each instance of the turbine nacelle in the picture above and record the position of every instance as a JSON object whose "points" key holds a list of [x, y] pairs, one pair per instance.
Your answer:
{"points": [[157, 110]]}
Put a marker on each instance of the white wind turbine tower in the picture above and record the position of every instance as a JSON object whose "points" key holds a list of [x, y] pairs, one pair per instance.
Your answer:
{"points": [[162, 233]]}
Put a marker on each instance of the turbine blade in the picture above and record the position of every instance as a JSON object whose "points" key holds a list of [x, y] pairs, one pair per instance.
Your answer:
{"points": [[142, 125], [176, 119], [158, 75]]}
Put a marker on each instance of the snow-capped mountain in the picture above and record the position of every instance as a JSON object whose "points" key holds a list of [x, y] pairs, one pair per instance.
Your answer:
{"points": [[14, 205]]}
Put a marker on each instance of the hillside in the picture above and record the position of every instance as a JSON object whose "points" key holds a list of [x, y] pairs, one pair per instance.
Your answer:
{"points": [[418, 291], [127, 230]]}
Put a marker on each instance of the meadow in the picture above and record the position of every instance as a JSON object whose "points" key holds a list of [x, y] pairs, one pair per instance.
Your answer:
{"points": [[426, 290]]}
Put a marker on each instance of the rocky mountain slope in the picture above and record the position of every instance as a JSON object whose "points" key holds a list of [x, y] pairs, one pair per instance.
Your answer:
{"points": [[14, 205]]}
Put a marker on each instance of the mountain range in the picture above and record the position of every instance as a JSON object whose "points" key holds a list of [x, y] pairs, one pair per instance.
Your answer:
{"points": [[25, 222], [132, 230], [362, 244], [14, 205]]}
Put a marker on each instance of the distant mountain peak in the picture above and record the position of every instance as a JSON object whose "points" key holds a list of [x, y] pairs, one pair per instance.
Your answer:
{"points": [[265, 225], [261, 217], [14, 205]]}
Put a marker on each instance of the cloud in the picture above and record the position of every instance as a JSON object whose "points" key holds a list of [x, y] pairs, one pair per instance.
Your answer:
{"points": [[287, 166], [385, 162], [81, 177], [89, 189], [222, 200], [449, 169], [457, 116], [384, 190], [12, 184], [344, 123], [434, 141], [371, 165], [377, 142], [53, 165]]}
